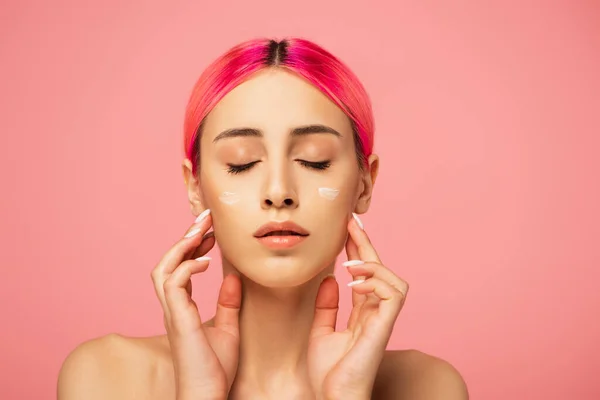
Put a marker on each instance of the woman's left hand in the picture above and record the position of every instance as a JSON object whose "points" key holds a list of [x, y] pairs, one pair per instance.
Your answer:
{"points": [[343, 365]]}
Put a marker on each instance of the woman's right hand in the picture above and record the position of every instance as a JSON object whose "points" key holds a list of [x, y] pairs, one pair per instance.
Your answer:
{"points": [[205, 358]]}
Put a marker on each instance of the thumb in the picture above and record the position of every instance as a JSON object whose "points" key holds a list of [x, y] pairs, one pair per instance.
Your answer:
{"points": [[326, 308], [228, 305]]}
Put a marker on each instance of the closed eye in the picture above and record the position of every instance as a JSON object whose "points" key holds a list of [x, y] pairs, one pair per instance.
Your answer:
{"points": [[238, 169], [319, 165]]}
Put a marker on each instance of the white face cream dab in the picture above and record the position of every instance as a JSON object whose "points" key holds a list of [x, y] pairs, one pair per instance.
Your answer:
{"points": [[229, 197], [328, 193]]}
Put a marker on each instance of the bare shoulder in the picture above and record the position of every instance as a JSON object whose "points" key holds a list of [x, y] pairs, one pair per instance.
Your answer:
{"points": [[411, 374], [116, 367]]}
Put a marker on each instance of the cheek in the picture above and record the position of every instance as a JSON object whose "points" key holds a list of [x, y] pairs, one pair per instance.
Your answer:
{"points": [[330, 205], [222, 194], [335, 193], [328, 193], [227, 204], [330, 216], [234, 208], [229, 198]]}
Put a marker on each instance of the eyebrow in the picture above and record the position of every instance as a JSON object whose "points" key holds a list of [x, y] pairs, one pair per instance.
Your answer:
{"points": [[299, 131]]}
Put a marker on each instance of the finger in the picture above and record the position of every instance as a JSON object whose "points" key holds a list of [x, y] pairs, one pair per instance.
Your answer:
{"points": [[352, 254], [182, 310], [391, 299], [374, 331], [188, 288], [191, 240], [159, 276], [356, 312], [326, 308], [366, 250], [228, 305], [178, 253], [374, 270], [208, 242], [351, 248]]}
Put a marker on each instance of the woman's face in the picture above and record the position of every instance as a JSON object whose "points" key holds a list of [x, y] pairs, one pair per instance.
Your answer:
{"points": [[277, 150]]}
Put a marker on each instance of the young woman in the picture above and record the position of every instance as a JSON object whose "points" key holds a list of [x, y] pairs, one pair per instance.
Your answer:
{"points": [[279, 162]]}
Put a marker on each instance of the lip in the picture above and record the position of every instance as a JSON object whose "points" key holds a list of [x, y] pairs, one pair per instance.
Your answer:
{"points": [[280, 226], [281, 241]]}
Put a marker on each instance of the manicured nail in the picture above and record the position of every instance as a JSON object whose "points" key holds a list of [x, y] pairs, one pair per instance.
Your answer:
{"points": [[358, 221], [356, 282], [352, 263], [205, 258], [192, 233], [202, 215], [332, 276]]}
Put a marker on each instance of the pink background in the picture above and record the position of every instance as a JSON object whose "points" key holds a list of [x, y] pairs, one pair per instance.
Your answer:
{"points": [[488, 128]]}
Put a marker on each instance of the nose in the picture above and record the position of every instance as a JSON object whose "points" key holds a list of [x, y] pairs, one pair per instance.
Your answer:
{"points": [[280, 192], [287, 202]]}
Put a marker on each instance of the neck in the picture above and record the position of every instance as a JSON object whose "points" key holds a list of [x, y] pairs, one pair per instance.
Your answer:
{"points": [[274, 328]]}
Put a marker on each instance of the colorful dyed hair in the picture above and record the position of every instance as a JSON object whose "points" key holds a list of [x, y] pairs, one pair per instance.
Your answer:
{"points": [[319, 67]]}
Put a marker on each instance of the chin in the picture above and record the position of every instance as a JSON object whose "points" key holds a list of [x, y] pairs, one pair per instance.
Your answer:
{"points": [[282, 271]]}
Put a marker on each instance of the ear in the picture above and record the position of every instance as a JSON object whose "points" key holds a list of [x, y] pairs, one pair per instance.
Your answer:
{"points": [[367, 182], [194, 190]]}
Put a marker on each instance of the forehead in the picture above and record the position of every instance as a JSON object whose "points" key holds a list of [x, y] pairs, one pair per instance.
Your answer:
{"points": [[275, 100]]}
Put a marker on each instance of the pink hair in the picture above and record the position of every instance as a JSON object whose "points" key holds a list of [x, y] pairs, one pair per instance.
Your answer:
{"points": [[305, 58]]}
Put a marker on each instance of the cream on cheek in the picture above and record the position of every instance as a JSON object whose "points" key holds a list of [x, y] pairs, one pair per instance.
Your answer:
{"points": [[229, 198], [328, 193]]}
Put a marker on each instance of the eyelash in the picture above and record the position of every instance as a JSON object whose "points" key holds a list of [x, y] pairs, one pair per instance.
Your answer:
{"points": [[318, 165], [238, 169]]}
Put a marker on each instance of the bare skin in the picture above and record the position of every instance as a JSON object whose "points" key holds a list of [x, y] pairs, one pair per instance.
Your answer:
{"points": [[281, 341], [125, 368]]}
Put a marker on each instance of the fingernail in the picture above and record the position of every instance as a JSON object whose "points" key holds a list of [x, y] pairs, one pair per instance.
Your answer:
{"points": [[204, 258], [358, 221], [192, 233], [356, 282], [351, 263], [202, 215]]}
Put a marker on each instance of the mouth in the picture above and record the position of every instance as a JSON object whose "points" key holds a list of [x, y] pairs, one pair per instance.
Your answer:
{"points": [[281, 235], [286, 228]]}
